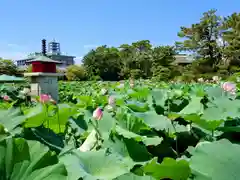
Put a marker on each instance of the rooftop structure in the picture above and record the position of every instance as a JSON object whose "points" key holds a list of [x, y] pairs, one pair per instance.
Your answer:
{"points": [[43, 64], [183, 59], [54, 48], [53, 52], [43, 78]]}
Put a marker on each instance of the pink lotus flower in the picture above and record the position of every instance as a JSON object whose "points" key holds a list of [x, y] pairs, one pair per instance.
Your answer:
{"points": [[44, 98], [6, 98], [97, 114], [229, 87]]}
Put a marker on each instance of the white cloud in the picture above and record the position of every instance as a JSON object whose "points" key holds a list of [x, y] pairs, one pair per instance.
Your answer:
{"points": [[13, 45]]}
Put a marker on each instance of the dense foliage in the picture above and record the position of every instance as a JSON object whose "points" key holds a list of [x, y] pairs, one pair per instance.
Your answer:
{"points": [[7, 67], [134, 129], [213, 42], [122, 131]]}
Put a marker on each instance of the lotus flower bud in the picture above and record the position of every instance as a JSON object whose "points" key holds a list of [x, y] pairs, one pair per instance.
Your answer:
{"points": [[229, 87], [6, 98], [44, 98], [97, 114]]}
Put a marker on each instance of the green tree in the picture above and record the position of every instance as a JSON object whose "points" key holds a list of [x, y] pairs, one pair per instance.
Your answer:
{"points": [[75, 73], [136, 59], [29, 68], [202, 39], [213, 42], [231, 36], [162, 65], [104, 62], [7, 67]]}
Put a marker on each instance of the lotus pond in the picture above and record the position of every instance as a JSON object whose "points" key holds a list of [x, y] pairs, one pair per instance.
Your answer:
{"points": [[121, 131]]}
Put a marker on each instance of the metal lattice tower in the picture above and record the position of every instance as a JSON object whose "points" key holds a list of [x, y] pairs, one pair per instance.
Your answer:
{"points": [[54, 48]]}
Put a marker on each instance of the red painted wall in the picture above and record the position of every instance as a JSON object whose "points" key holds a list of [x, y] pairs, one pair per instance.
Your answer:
{"points": [[47, 67]]}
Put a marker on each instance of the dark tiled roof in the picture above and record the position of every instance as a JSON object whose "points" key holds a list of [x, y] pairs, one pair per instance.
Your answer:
{"points": [[26, 59], [43, 59], [183, 59]]}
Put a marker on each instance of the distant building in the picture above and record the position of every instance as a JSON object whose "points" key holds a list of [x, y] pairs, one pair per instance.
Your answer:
{"points": [[183, 59], [52, 52]]}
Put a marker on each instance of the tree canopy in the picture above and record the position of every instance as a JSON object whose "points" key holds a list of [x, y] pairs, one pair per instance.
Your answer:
{"points": [[8, 67], [213, 43], [75, 72]]}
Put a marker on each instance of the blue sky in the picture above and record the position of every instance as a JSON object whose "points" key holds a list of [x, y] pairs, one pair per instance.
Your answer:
{"points": [[80, 25]]}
